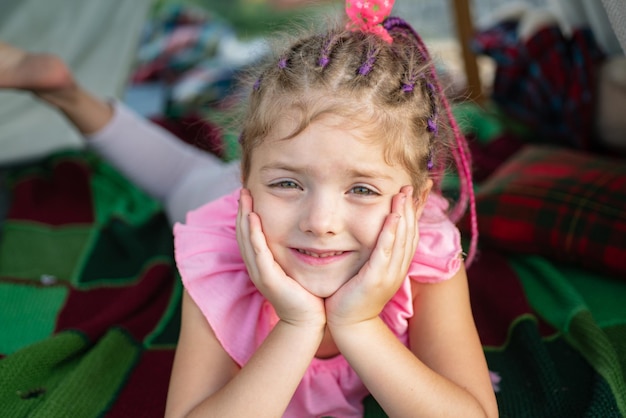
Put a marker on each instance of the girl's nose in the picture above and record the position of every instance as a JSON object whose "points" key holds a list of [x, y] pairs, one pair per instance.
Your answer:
{"points": [[320, 216]]}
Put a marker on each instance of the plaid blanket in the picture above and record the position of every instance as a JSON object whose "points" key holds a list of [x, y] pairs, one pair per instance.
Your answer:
{"points": [[559, 203], [547, 83], [89, 309]]}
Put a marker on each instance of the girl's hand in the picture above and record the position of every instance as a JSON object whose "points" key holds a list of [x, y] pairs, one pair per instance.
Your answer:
{"points": [[292, 303], [364, 296]]}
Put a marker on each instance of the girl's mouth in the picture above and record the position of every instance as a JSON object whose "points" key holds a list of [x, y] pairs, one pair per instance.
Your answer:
{"points": [[320, 255], [320, 258]]}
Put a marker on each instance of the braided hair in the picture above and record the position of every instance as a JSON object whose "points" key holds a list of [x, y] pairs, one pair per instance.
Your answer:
{"points": [[390, 91]]}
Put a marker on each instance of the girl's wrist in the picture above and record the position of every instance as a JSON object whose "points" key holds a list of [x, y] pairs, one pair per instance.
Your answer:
{"points": [[354, 338], [311, 325], [339, 328], [305, 332]]}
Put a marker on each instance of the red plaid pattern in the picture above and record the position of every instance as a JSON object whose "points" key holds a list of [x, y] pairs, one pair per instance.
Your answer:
{"points": [[547, 82], [559, 203]]}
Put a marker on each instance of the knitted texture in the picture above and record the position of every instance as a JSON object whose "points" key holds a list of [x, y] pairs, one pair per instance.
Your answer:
{"points": [[89, 313]]}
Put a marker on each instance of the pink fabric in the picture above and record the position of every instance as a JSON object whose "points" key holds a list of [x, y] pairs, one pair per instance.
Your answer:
{"points": [[215, 277], [368, 15]]}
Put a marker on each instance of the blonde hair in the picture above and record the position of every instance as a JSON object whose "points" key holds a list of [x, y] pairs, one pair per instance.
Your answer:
{"points": [[381, 88]]}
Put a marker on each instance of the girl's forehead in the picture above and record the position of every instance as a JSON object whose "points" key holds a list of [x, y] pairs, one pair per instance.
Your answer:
{"points": [[337, 128], [326, 148], [292, 122]]}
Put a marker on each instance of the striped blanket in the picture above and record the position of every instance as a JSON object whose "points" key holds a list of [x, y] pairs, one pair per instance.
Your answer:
{"points": [[89, 309]]}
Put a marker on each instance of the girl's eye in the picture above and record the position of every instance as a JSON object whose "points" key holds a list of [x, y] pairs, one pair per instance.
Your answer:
{"points": [[362, 190], [285, 184]]}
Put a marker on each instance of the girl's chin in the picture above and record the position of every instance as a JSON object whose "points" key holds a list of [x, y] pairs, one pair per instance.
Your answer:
{"points": [[321, 281], [323, 293], [322, 287]]}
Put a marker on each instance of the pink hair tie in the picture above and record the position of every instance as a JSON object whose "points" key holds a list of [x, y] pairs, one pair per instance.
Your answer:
{"points": [[367, 16]]}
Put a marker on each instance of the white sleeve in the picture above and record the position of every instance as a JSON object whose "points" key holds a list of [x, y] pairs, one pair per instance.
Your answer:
{"points": [[181, 176]]}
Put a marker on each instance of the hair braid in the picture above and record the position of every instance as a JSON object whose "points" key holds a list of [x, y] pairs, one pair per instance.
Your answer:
{"points": [[460, 152], [326, 51], [370, 60]]}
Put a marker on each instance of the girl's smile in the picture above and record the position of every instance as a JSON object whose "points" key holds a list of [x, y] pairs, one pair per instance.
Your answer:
{"points": [[322, 197], [320, 258]]}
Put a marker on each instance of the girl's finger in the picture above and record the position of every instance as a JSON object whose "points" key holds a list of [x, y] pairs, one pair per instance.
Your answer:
{"points": [[263, 258], [244, 233], [411, 225], [399, 249], [380, 258], [419, 209], [265, 273]]}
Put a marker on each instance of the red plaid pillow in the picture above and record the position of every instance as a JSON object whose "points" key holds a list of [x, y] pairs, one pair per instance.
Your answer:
{"points": [[559, 203]]}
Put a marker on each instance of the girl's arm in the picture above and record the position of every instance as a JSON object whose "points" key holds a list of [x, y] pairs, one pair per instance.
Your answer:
{"points": [[443, 335], [443, 374], [206, 382], [201, 366]]}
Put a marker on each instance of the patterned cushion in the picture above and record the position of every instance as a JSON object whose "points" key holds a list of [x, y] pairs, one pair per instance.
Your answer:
{"points": [[558, 203]]}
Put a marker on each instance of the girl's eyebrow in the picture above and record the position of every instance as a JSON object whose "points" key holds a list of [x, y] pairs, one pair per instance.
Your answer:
{"points": [[369, 174], [349, 173], [281, 166]]}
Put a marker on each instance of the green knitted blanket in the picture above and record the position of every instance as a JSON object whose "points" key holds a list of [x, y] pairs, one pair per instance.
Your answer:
{"points": [[89, 309]]}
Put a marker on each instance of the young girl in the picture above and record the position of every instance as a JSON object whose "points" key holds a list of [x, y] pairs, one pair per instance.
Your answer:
{"points": [[332, 289], [335, 272]]}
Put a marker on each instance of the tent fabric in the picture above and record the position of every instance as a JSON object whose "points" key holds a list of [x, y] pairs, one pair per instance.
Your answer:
{"points": [[98, 40], [616, 11]]}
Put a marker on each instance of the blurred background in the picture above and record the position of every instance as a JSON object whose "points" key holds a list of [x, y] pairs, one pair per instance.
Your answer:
{"points": [[174, 58]]}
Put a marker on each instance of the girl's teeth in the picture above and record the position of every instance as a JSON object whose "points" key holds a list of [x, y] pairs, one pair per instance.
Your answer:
{"points": [[319, 255]]}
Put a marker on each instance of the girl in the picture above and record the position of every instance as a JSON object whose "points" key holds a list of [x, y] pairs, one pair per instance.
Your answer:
{"points": [[323, 297], [335, 272]]}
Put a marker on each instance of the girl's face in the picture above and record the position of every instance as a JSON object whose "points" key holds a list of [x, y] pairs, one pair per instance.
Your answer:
{"points": [[322, 197]]}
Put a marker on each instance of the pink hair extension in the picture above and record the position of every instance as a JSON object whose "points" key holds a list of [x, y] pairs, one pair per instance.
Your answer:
{"points": [[461, 152]]}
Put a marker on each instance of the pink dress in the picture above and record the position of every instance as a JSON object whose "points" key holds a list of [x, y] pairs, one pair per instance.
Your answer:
{"points": [[215, 276]]}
